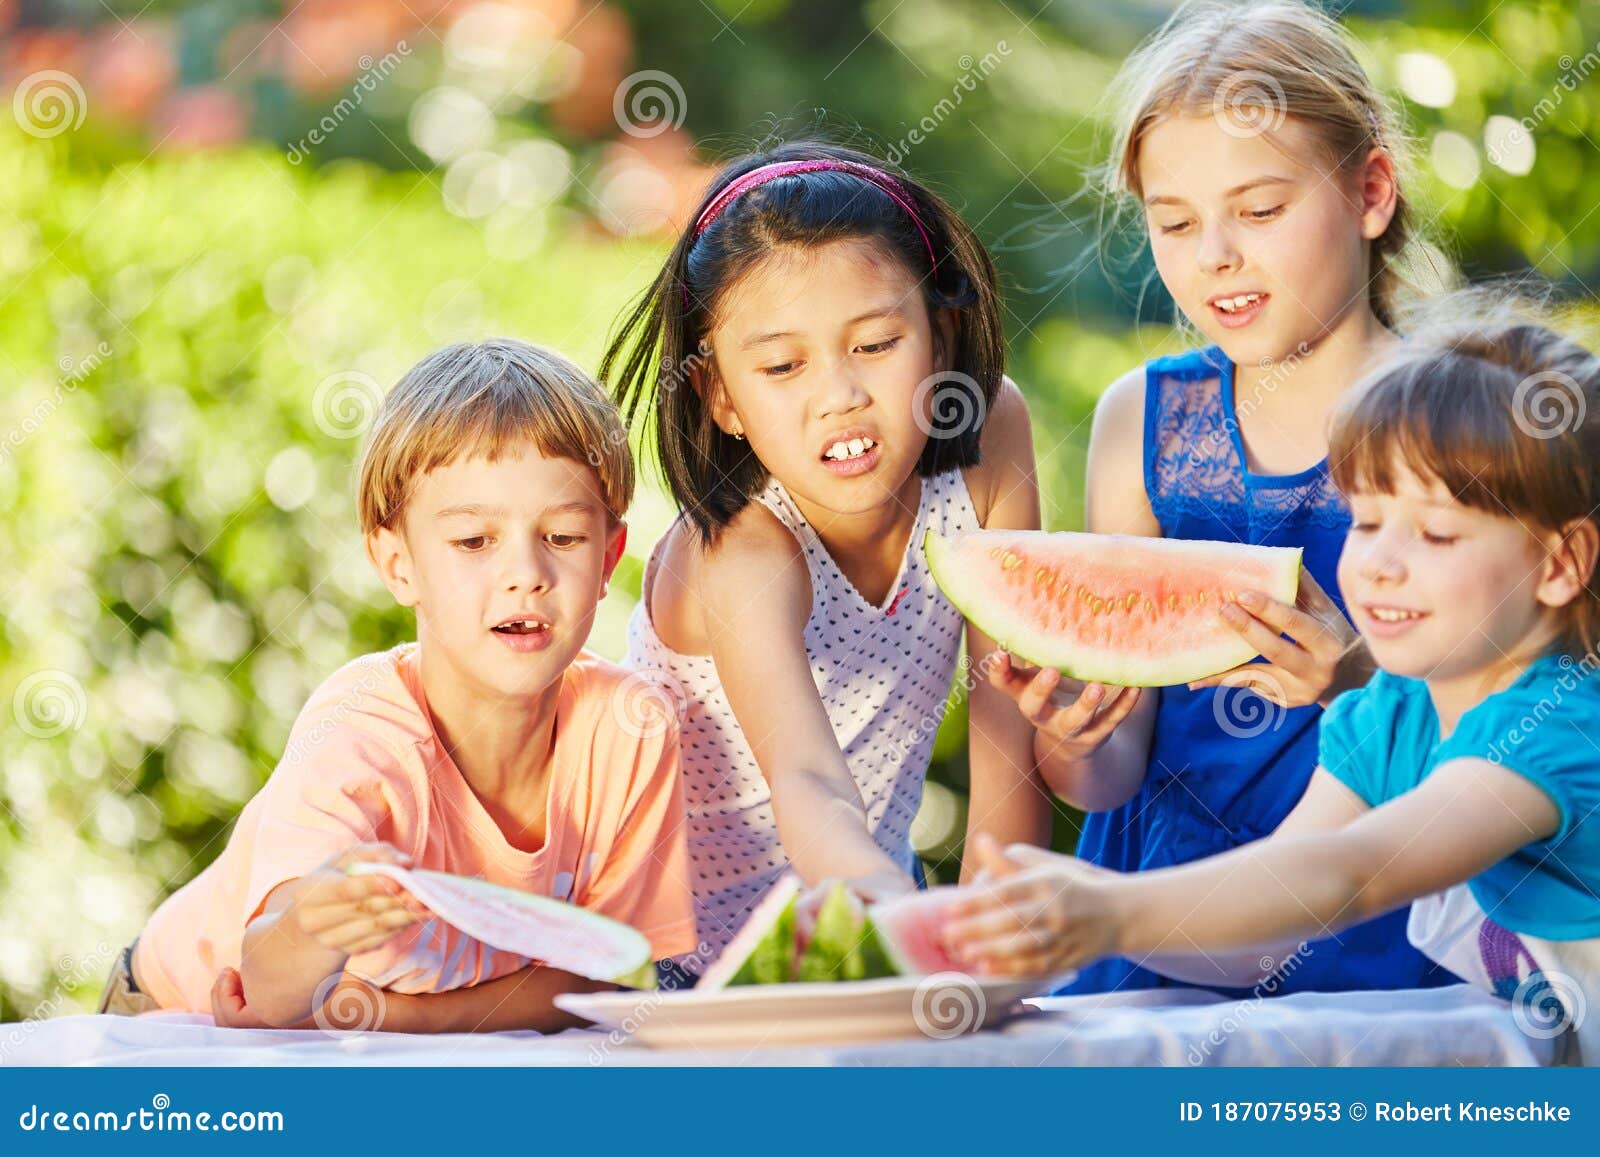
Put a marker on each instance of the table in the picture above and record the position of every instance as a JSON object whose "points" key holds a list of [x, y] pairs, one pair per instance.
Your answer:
{"points": [[1175, 1027]]}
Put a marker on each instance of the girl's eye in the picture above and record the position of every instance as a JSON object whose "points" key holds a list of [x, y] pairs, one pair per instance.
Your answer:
{"points": [[880, 347], [1438, 539], [780, 370], [1265, 214], [565, 541], [474, 543], [1171, 230], [1363, 527]]}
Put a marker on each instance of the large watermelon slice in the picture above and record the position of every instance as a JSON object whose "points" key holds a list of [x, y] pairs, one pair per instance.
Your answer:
{"points": [[1109, 608], [901, 937], [561, 935]]}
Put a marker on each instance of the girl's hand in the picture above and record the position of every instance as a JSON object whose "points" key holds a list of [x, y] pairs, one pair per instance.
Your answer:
{"points": [[1078, 716], [1322, 656], [870, 889], [353, 914], [1034, 913]]}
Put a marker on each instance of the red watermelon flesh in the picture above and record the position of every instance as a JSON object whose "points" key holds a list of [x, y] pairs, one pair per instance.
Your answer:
{"points": [[1122, 609], [911, 929]]}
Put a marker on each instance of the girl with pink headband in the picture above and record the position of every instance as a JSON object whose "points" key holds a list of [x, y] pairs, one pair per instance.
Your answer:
{"points": [[823, 362]]}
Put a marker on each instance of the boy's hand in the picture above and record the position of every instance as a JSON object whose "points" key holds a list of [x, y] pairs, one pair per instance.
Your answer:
{"points": [[1078, 716], [229, 1009], [1322, 656], [354, 914], [1032, 913]]}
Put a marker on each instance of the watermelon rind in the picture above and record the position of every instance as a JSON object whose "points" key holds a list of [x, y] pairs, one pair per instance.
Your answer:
{"points": [[764, 945], [574, 940], [974, 593], [844, 945]]}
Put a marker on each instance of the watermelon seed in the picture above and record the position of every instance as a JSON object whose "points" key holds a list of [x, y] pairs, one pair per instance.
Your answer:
{"points": [[1009, 561]]}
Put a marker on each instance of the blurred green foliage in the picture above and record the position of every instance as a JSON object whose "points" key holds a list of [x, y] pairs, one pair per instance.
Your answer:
{"points": [[191, 342]]}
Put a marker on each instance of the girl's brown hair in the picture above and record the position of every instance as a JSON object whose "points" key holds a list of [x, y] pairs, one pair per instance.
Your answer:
{"points": [[1256, 65], [1500, 409]]}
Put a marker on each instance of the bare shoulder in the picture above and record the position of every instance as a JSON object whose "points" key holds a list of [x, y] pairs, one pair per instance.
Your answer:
{"points": [[1115, 498], [1006, 451], [696, 584]]}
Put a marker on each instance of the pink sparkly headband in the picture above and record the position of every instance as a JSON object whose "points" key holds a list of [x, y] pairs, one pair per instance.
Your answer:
{"points": [[764, 173]]}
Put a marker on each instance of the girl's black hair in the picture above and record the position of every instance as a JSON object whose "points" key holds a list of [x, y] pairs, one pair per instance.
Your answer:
{"points": [[663, 337]]}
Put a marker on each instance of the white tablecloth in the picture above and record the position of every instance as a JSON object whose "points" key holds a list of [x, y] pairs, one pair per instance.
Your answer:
{"points": [[1445, 1026]]}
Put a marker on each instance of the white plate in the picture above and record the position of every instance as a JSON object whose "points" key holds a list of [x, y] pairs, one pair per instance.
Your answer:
{"points": [[944, 1005]]}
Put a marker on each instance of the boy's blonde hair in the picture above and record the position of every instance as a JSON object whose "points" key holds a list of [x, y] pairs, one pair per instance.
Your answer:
{"points": [[1255, 65], [481, 399], [1503, 411]]}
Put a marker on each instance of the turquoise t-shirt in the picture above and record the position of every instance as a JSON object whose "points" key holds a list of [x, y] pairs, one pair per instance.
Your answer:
{"points": [[1383, 740]]}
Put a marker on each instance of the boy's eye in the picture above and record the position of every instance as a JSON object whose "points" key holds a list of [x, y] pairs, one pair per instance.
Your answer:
{"points": [[473, 543], [1265, 214], [565, 541], [879, 347]]}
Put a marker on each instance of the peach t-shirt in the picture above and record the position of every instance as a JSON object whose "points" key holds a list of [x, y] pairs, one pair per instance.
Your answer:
{"points": [[363, 763]]}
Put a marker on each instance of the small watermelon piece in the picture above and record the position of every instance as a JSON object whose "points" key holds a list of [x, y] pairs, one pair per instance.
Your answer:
{"points": [[555, 932], [844, 945], [764, 950], [1109, 608], [911, 930]]}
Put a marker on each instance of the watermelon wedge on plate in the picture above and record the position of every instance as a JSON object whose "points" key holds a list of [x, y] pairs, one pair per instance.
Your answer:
{"points": [[559, 934], [1109, 608]]}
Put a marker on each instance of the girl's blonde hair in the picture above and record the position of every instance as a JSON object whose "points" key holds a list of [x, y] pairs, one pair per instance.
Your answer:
{"points": [[1256, 65], [1499, 408]]}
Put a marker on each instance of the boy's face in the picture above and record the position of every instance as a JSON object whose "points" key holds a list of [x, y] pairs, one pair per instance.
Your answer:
{"points": [[1440, 590], [1258, 216], [504, 562], [830, 346]]}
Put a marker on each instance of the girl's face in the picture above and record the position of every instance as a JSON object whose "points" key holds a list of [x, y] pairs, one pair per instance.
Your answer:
{"points": [[1440, 590], [1260, 243], [821, 359]]}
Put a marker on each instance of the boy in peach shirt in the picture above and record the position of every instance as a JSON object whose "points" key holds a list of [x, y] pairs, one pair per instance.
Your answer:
{"points": [[492, 492]]}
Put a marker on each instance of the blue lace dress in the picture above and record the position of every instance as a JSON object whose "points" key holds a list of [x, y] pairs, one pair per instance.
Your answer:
{"points": [[1225, 766]]}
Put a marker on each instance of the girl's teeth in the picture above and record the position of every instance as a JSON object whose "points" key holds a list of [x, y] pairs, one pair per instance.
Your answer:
{"points": [[1384, 615], [1230, 304], [851, 449]]}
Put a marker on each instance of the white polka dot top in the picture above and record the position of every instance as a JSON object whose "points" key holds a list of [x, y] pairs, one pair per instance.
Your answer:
{"points": [[884, 674]]}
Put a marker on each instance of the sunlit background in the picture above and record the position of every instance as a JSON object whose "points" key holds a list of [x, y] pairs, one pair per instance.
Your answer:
{"points": [[226, 226]]}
